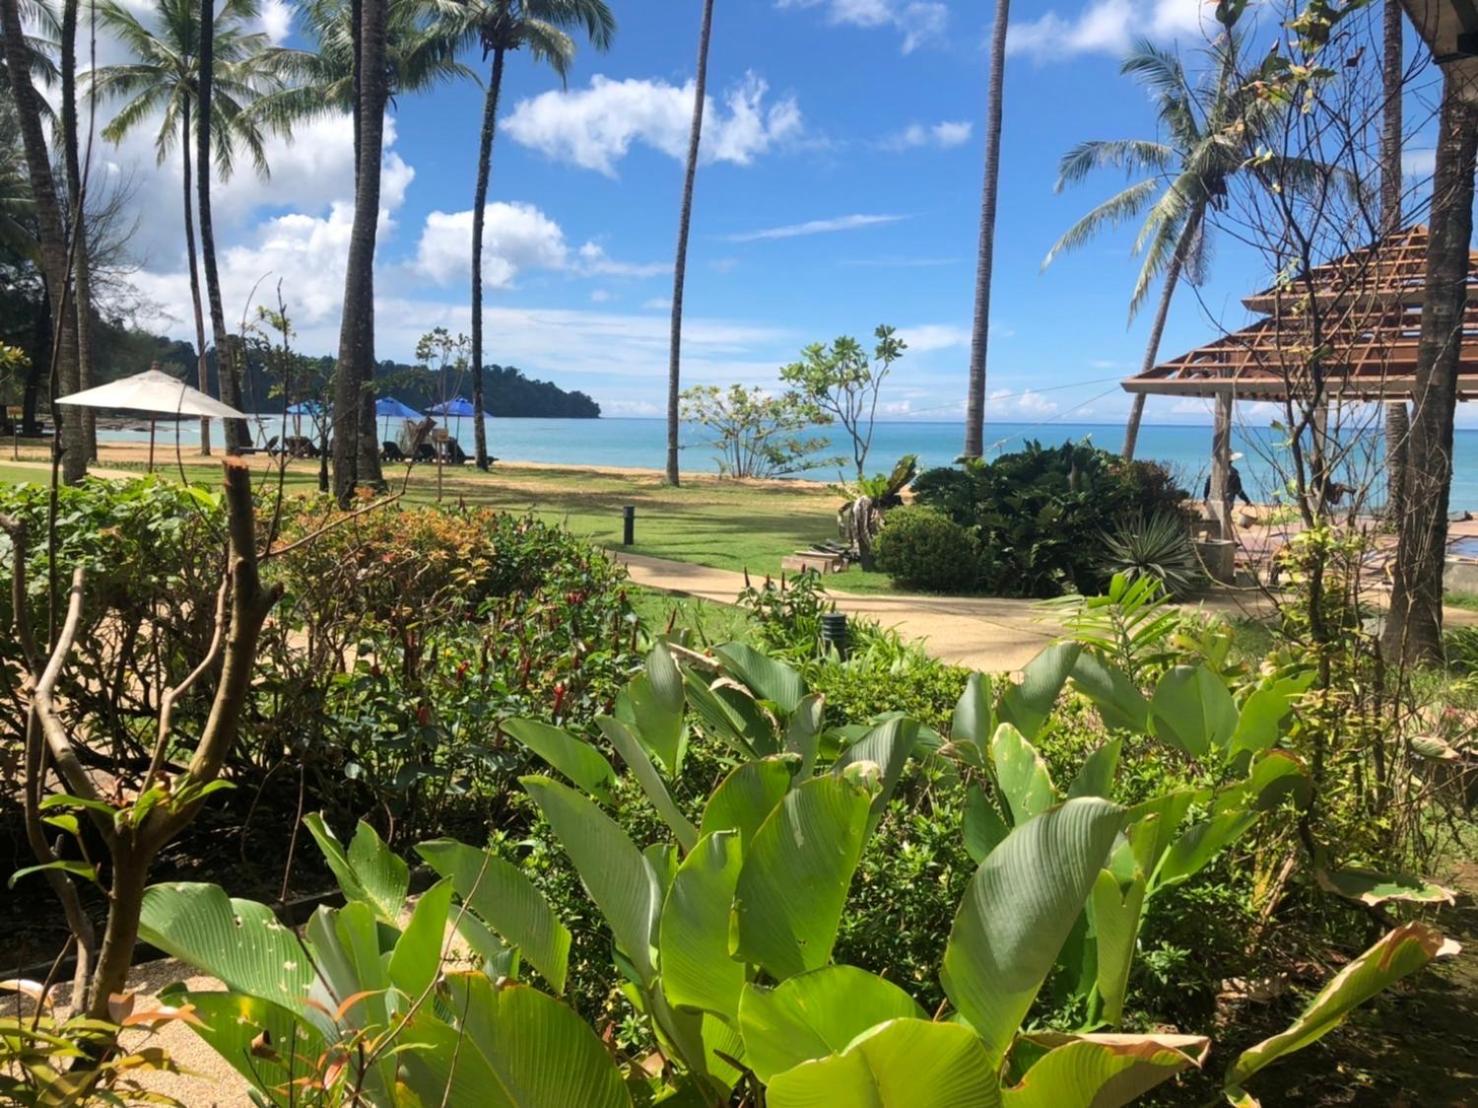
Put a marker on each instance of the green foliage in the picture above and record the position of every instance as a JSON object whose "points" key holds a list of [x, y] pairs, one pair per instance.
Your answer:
{"points": [[755, 434], [1157, 546], [839, 383], [922, 549], [1038, 515]]}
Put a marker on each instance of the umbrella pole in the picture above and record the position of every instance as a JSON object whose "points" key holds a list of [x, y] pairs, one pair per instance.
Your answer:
{"points": [[151, 445]]}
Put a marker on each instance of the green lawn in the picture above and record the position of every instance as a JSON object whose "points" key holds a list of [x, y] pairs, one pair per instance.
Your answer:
{"points": [[723, 524]]}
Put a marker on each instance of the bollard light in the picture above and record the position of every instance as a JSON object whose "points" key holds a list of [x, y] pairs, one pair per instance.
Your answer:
{"points": [[834, 632], [628, 525]]}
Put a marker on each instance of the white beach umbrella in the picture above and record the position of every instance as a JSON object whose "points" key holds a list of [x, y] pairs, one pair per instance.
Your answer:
{"points": [[152, 391]]}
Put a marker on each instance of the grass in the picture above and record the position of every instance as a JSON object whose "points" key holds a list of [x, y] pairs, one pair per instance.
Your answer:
{"points": [[724, 524], [707, 622]]}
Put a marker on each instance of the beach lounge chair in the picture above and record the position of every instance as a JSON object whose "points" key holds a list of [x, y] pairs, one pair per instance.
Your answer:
{"points": [[455, 455], [391, 452], [425, 453]]}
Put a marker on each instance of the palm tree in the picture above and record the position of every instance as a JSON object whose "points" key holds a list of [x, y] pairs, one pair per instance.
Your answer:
{"points": [[1398, 422], [503, 26], [985, 257], [52, 239], [76, 201], [162, 81], [680, 263]]}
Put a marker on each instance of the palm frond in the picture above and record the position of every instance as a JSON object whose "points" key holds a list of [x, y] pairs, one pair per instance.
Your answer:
{"points": [[1116, 210], [1130, 155]]}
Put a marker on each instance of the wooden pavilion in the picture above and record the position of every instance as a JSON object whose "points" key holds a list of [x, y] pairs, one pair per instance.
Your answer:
{"points": [[1363, 311]]}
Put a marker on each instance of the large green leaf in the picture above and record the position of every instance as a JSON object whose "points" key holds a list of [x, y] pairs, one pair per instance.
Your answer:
{"points": [[652, 706], [416, 959], [238, 1027], [577, 760], [370, 871], [1273, 776], [499, 893], [1152, 824], [803, 732], [1199, 845], [1193, 710], [614, 872], [746, 797], [347, 948], [635, 756], [722, 720], [1369, 887], [1116, 914], [1096, 776], [693, 941], [1259, 721], [789, 899], [815, 1014], [1021, 774], [985, 828], [771, 680], [1119, 702], [514, 1048], [1026, 706], [1020, 906], [239, 941], [1103, 1071], [887, 746], [904, 1063], [1402, 951], [974, 720]]}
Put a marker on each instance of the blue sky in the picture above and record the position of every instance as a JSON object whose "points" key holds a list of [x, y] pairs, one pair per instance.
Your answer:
{"points": [[840, 189]]}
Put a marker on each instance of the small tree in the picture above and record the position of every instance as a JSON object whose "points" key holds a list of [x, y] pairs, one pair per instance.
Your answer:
{"points": [[838, 383], [756, 434]]}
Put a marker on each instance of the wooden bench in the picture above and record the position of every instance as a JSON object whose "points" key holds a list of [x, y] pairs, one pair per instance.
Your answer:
{"points": [[822, 561]]}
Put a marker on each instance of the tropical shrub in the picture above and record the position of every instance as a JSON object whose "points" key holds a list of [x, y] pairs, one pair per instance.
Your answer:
{"points": [[1157, 546], [923, 549], [1038, 514]]}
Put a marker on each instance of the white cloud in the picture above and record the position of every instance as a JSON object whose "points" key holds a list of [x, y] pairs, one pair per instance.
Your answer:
{"points": [[815, 227], [515, 237], [1004, 402], [1110, 27], [924, 337], [595, 127], [276, 20], [942, 135], [658, 304], [918, 22], [595, 262]]}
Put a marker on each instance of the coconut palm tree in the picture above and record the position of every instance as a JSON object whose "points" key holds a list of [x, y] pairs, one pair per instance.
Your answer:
{"points": [[985, 256], [503, 26], [680, 263], [162, 85], [1398, 422]]}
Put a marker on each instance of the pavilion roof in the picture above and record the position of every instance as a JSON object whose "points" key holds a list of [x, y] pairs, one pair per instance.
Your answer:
{"points": [[1368, 321]]}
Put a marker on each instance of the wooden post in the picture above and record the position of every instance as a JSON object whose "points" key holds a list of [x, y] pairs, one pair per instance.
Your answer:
{"points": [[1221, 463]]}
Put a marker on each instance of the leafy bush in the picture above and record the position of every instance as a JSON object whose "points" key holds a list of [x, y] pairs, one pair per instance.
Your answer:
{"points": [[1038, 514], [923, 549], [1157, 546]]}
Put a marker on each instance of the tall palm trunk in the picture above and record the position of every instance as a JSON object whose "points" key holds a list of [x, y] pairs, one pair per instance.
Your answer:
{"points": [[1157, 329], [1398, 423], [202, 370], [227, 368], [479, 203], [680, 262], [52, 239], [354, 376], [1413, 630], [980, 333], [76, 210]]}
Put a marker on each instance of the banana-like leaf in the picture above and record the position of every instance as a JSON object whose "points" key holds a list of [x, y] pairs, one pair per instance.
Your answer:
{"points": [[514, 1048], [264, 1042], [1198, 845], [1401, 952], [1026, 706], [576, 759], [1152, 824], [1119, 702], [635, 756], [1369, 887], [693, 941], [1019, 908], [416, 959], [770, 680], [815, 1014], [1021, 774], [370, 871], [904, 1063], [1103, 1071], [788, 903], [347, 948], [721, 720], [507, 901], [613, 871], [974, 720], [239, 941], [1116, 914], [1193, 710], [747, 796], [1273, 775], [803, 732], [652, 706], [1259, 722], [887, 746], [1096, 776], [985, 828]]}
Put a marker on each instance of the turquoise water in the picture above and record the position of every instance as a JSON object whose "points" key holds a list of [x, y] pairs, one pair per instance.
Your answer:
{"points": [[1186, 450]]}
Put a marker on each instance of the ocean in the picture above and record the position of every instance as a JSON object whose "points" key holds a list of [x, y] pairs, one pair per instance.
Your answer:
{"points": [[1186, 450]]}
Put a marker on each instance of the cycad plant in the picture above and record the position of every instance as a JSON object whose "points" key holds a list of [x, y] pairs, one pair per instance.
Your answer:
{"points": [[500, 27], [160, 87]]}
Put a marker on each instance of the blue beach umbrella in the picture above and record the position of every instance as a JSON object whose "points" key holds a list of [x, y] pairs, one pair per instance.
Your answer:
{"points": [[388, 408], [455, 408]]}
